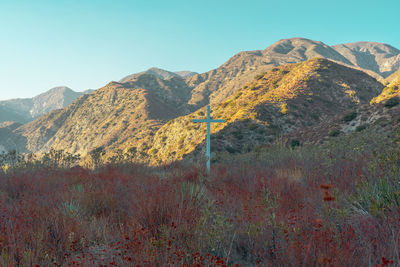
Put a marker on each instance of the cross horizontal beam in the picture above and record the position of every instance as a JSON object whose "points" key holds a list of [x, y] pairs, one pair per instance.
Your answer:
{"points": [[207, 120]]}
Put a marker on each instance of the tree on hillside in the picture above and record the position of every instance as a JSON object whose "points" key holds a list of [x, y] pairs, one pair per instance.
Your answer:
{"points": [[96, 155]]}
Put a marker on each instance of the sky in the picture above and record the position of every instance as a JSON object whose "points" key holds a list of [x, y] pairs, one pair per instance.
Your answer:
{"points": [[84, 44]]}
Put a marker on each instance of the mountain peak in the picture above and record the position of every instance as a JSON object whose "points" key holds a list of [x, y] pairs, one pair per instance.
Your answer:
{"points": [[157, 72], [298, 39], [160, 73], [56, 90]]}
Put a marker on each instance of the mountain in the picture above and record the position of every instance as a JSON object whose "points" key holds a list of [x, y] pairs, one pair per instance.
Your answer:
{"points": [[380, 58], [274, 103], [215, 85], [185, 73], [117, 116], [159, 73], [28, 109], [292, 85]]}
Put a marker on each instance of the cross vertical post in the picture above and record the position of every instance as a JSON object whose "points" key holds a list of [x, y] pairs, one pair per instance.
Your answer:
{"points": [[208, 120], [208, 152]]}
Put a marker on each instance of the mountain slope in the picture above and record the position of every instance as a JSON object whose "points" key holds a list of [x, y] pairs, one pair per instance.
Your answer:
{"points": [[215, 85], [380, 58], [7, 114], [391, 90], [119, 115], [275, 103], [30, 108], [55, 98], [395, 77]]}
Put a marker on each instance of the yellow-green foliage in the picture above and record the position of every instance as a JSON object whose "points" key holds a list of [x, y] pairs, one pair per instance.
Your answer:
{"points": [[388, 92], [284, 109]]}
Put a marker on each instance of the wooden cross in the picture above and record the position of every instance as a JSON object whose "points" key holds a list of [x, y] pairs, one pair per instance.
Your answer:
{"points": [[208, 121]]}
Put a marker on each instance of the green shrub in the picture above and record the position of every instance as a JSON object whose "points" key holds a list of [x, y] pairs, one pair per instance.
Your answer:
{"points": [[231, 150], [349, 116], [238, 135], [252, 126], [294, 143], [394, 101], [284, 71], [361, 127], [314, 116], [334, 133]]}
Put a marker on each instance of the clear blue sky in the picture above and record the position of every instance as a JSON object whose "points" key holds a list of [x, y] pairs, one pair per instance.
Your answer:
{"points": [[87, 43]]}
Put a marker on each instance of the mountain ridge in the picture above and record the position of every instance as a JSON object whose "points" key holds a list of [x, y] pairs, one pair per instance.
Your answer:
{"points": [[212, 86], [28, 109], [264, 90], [159, 73]]}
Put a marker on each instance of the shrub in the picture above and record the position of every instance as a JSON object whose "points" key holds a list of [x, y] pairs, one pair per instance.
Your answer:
{"points": [[349, 116], [284, 72], [231, 150], [294, 143], [361, 127], [377, 197], [153, 151], [259, 76], [238, 135], [284, 109], [334, 133], [394, 101]]}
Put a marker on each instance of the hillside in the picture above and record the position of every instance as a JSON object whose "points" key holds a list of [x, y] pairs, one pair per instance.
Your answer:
{"points": [[380, 119], [9, 140], [275, 103], [28, 109], [392, 88], [117, 116], [395, 77], [224, 81], [7, 114]]}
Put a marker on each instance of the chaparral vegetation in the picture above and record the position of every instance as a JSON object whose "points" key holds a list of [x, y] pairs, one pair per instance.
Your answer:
{"points": [[333, 204]]}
